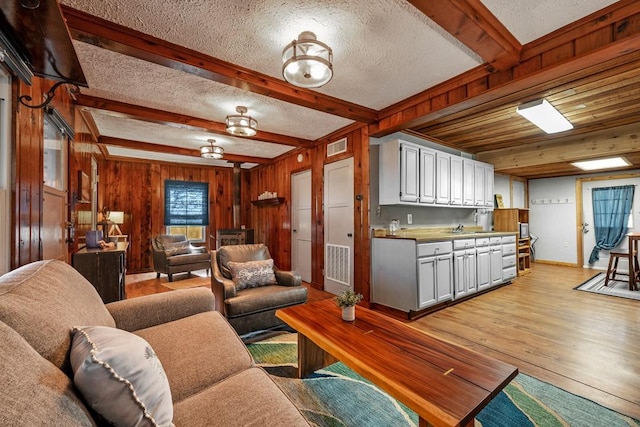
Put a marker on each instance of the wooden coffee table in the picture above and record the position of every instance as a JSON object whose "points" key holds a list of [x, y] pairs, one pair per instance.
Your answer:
{"points": [[445, 384]]}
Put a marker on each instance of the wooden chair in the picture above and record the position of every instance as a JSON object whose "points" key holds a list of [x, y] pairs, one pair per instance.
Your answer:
{"points": [[614, 257]]}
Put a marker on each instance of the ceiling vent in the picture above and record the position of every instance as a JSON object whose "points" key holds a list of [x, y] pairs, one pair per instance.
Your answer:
{"points": [[337, 147]]}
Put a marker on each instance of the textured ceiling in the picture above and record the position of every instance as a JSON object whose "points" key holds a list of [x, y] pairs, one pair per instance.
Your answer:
{"points": [[385, 51]]}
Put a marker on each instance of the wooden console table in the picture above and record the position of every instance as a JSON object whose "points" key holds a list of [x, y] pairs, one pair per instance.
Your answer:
{"points": [[105, 269], [445, 384]]}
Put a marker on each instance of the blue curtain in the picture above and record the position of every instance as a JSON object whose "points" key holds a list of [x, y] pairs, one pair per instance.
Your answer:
{"points": [[611, 209]]}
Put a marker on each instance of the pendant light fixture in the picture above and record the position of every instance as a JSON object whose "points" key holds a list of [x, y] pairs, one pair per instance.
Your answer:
{"points": [[211, 151], [241, 125], [307, 62]]}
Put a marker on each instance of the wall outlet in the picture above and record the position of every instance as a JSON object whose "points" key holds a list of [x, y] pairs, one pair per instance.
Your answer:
{"points": [[409, 219]]}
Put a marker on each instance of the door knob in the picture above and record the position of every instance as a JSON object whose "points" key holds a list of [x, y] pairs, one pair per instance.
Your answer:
{"points": [[295, 231]]}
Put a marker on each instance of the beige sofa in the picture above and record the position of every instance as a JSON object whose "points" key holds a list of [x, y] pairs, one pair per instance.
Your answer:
{"points": [[211, 376]]}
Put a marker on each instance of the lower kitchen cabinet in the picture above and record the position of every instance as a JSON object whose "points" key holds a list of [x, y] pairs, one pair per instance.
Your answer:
{"points": [[105, 269]]}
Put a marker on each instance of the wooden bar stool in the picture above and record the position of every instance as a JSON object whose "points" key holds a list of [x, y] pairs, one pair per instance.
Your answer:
{"points": [[614, 257]]}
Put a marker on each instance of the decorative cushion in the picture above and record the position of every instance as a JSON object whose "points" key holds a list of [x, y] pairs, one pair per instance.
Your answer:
{"points": [[177, 248], [252, 274], [120, 377]]}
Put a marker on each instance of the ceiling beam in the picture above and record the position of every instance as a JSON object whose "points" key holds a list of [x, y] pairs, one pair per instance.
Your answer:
{"points": [[153, 115], [158, 148], [476, 27], [607, 143], [561, 60], [108, 35]]}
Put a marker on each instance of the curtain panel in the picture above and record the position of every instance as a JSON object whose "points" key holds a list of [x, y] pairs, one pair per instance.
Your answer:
{"points": [[611, 210]]}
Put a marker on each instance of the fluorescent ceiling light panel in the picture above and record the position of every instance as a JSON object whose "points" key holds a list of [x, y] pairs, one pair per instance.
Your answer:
{"points": [[611, 162], [544, 115]]}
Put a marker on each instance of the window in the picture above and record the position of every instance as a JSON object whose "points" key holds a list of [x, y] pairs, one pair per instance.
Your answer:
{"points": [[186, 208]]}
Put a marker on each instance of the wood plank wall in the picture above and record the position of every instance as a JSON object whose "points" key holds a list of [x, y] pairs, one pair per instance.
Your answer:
{"points": [[137, 189]]}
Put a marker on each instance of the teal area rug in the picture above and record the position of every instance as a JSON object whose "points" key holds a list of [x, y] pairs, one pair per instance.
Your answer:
{"points": [[616, 288], [336, 396]]}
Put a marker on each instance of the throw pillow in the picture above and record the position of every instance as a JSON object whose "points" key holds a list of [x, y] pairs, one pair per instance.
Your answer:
{"points": [[252, 274], [120, 377], [177, 248]]}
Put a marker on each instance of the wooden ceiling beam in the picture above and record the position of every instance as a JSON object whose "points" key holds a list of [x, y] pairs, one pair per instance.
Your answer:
{"points": [[108, 35], [165, 117], [158, 148], [470, 22], [618, 38]]}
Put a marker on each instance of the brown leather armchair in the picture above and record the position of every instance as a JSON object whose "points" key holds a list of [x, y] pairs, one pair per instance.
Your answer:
{"points": [[174, 254], [252, 309]]}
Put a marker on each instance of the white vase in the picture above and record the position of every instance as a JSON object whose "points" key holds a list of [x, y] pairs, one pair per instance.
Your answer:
{"points": [[349, 313]]}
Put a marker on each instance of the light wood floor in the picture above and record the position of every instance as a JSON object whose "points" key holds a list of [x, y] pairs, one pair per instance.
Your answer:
{"points": [[584, 343]]}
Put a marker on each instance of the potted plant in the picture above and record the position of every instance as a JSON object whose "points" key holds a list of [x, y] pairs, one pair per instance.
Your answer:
{"points": [[347, 300]]}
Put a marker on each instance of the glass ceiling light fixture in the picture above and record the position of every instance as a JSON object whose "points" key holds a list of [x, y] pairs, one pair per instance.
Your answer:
{"points": [[241, 125], [544, 115], [307, 62], [211, 151]]}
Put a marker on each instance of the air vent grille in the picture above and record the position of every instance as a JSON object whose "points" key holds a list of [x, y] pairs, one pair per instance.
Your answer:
{"points": [[338, 264], [340, 146]]}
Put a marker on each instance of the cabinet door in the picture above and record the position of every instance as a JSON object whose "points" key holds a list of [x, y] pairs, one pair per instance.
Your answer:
{"points": [[455, 190], [427, 175], [444, 278], [427, 279], [478, 184], [483, 263], [496, 265], [443, 178], [488, 185], [470, 270], [464, 272], [409, 172], [468, 179]]}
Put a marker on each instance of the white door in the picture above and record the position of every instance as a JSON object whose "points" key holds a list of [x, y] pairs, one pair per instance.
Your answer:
{"points": [[338, 226], [301, 224], [54, 208]]}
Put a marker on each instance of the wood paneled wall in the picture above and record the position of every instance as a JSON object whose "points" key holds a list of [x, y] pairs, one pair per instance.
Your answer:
{"points": [[137, 189]]}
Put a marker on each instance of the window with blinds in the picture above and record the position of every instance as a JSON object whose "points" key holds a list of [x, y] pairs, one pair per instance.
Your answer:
{"points": [[186, 203]]}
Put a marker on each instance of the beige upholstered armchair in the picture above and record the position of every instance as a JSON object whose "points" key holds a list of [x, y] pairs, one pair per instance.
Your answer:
{"points": [[249, 288], [175, 254]]}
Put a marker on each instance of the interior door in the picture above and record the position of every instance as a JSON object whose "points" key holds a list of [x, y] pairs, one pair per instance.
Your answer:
{"points": [[338, 226], [54, 214], [301, 224]]}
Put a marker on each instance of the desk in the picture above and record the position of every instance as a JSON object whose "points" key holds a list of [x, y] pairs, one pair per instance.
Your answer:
{"points": [[634, 275], [445, 384]]}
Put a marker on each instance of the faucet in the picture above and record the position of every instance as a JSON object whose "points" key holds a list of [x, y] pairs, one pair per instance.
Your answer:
{"points": [[458, 229]]}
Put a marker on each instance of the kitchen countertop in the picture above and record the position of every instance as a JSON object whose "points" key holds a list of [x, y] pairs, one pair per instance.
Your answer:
{"points": [[425, 235]]}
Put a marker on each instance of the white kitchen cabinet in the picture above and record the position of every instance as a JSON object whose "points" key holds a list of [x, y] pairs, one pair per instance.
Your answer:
{"points": [[427, 176], [483, 264], [478, 184], [414, 175], [495, 246], [443, 178], [488, 185], [435, 278], [468, 180], [408, 276], [509, 258], [456, 182], [399, 168], [464, 267]]}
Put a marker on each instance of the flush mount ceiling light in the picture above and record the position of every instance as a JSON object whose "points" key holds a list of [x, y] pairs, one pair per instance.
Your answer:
{"points": [[544, 115], [211, 151], [307, 62], [609, 163], [241, 125]]}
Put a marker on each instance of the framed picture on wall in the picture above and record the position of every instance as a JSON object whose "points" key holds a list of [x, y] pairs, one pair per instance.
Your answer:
{"points": [[85, 187]]}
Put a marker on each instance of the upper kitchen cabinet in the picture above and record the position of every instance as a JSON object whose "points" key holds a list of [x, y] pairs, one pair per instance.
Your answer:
{"points": [[414, 175]]}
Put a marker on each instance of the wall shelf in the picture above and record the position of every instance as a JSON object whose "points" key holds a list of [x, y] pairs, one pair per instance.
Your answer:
{"points": [[271, 201]]}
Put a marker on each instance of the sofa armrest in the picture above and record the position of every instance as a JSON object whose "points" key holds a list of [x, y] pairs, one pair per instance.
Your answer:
{"points": [[288, 278], [197, 249], [151, 310]]}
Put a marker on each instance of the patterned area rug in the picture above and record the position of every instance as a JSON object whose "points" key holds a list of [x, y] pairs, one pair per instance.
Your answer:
{"points": [[616, 288], [337, 396]]}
